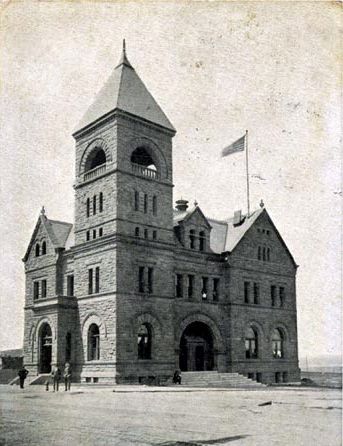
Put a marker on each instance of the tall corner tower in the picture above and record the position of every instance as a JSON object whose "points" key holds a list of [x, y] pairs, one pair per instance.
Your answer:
{"points": [[123, 162]]}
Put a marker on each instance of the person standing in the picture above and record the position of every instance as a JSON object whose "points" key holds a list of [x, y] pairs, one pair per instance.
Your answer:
{"points": [[56, 377], [23, 372], [67, 376]]}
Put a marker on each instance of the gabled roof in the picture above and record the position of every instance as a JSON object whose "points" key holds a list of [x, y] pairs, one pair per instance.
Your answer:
{"points": [[58, 233], [125, 91], [182, 216]]}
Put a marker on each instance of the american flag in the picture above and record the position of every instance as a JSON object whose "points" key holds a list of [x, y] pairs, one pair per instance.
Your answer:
{"points": [[237, 146]]}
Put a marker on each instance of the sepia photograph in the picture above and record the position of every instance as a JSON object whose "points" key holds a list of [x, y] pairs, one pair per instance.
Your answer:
{"points": [[170, 223]]}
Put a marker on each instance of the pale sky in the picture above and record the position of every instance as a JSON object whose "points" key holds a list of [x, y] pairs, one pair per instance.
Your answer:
{"points": [[216, 69]]}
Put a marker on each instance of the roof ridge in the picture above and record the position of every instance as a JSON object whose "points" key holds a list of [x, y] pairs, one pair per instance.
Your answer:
{"points": [[59, 221]]}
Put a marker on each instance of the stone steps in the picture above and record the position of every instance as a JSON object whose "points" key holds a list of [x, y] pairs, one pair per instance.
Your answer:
{"points": [[215, 379]]}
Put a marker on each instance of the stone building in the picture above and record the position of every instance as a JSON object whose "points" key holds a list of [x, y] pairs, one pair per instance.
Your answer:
{"points": [[136, 289]]}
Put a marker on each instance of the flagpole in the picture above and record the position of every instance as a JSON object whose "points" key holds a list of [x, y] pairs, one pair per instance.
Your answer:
{"points": [[247, 169]]}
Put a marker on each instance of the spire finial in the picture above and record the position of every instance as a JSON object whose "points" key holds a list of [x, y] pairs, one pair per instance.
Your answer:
{"points": [[124, 47], [123, 59], [261, 203], [195, 203]]}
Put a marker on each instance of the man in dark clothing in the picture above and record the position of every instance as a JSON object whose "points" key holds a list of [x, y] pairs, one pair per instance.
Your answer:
{"points": [[22, 376], [177, 377], [67, 376], [56, 377]]}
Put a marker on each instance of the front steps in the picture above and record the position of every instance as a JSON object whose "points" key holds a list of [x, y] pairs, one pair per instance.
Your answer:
{"points": [[215, 379]]}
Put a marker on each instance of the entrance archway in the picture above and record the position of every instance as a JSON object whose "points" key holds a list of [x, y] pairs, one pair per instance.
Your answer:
{"points": [[196, 348], [45, 347]]}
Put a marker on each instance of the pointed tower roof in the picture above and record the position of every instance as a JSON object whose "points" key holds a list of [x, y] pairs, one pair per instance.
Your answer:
{"points": [[125, 91]]}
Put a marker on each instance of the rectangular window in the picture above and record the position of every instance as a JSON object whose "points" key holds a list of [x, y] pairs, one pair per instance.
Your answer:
{"points": [[215, 289], [150, 280], [154, 205], [44, 288], [36, 290], [88, 236], [70, 285], [256, 293], [190, 285], [146, 233], [273, 295], [94, 233], [154, 235], [94, 205], [178, 285], [204, 290], [90, 281], [136, 200], [97, 279], [145, 203], [282, 295], [100, 232], [246, 292], [88, 207], [141, 285], [101, 202]]}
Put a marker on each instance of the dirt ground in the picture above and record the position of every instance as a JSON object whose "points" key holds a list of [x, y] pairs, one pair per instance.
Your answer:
{"points": [[144, 417]]}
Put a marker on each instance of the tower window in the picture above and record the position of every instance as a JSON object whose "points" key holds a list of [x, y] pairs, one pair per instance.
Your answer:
{"points": [[282, 295], [43, 248], [259, 253], [101, 202], [145, 203], [137, 231], [100, 232], [136, 200], [90, 281], [88, 207], [268, 254], [264, 254], [97, 279], [36, 290], [146, 233], [154, 235], [94, 233], [178, 285], [70, 285], [143, 163], [96, 158], [154, 205], [44, 288], [88, 236], [94, 205], [37, 251]]}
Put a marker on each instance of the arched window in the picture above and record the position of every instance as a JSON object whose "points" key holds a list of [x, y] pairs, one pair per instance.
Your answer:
{"points": [[96, 158], [192, 239], [251, 343], [37, 250], [137, 232], [44, 248], [93, 343], [144, 340], [277, 344], [202, 241], [154, 205], [143, 163]]}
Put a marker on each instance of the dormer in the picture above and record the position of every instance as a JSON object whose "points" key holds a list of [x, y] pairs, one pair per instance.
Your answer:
{"points": [[191, 227]]}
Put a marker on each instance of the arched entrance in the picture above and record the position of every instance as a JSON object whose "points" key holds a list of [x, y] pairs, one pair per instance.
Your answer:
{"points": [[196, 348], [45, 349]]}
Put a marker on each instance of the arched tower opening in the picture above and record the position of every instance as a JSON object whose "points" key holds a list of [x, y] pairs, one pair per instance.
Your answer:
{"points": [[96, 158]]}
